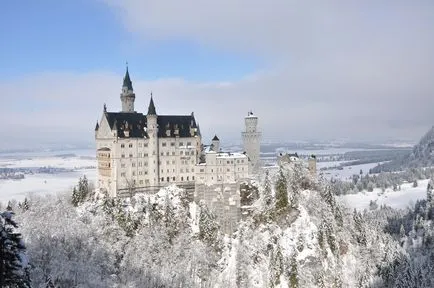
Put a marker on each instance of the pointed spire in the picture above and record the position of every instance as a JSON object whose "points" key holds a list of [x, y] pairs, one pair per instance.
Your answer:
{"points": [[151, 108], [127, 80], [215, 138], [105, 108], [97, 125]]}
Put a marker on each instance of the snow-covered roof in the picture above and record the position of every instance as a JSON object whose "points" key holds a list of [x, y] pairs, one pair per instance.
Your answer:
{"points": [[230, 155]]}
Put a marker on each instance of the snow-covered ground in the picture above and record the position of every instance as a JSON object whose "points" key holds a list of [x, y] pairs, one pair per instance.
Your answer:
{"points": [[406, 197], [347, 172], [81, 162]]}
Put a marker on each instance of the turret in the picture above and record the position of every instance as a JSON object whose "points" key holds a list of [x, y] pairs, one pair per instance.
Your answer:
{"points": [[127, 95], [215, 144], [152, 131], [312, 164], [252, 141]]}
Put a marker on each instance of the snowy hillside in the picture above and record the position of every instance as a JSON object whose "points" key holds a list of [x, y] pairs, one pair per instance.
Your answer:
{"points": [[422, 155], [296, 236]]}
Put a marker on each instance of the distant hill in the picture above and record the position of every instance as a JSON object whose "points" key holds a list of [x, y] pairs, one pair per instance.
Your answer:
{"points": [[422, 155]]}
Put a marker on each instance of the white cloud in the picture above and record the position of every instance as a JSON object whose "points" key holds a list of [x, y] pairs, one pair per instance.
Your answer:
{"points": [[353, 69]]}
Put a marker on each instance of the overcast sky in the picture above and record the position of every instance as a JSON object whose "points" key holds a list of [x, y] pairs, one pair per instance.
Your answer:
{"points": [[355, 70]]}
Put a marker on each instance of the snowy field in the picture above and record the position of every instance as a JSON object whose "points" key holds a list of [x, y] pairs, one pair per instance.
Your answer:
{"points": [[395, 199], [346, 173], [81, 162]]}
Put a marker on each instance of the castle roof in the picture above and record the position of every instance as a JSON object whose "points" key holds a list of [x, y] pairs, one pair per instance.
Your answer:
{"points": [[215, 138], [151, 108], [136, 124], [127, 81]]}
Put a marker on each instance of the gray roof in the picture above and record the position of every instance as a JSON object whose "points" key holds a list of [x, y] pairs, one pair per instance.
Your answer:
{"points": [[136, 124]]}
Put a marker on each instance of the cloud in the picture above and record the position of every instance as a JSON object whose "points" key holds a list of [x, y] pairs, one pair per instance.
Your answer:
{"points": [[362, 67], [335, 69]]}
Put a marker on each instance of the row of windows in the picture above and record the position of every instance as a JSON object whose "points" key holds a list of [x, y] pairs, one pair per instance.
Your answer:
{"points": [[180, 170], [182, 153], [174, 179], [221, 170], [164, 144]]}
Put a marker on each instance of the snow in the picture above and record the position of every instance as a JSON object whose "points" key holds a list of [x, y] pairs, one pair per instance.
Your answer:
{"points": [[395, 199], [348, 171], [79, 161]]}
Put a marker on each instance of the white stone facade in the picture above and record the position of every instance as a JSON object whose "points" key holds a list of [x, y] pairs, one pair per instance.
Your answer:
{"points": [[139, 152], [252, 141]]}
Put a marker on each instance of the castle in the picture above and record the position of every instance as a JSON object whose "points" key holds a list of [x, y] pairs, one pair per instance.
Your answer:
{"points": [[139, 152]]}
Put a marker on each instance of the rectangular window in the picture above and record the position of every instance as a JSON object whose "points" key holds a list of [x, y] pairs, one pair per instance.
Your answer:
{"points": [[123, 174], [122, 145], [130, 145], [163, 144], [140, 172], [123, 156], [167, 162], [188, 143], [134, 173], [145, 155], [162, 153], [167, 153], [146, 163], [141, 181], [186, 153], [145, 144], [172, 144], [131, 155], [133, 164], [181, 144], [123, 165], [173, 153], [140, 164]]}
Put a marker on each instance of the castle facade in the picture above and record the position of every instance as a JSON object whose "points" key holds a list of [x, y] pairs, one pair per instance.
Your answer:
{"points": [[139, 152]]}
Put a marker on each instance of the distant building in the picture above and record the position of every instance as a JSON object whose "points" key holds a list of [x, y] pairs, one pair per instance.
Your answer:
{"points": [[285, 158]]}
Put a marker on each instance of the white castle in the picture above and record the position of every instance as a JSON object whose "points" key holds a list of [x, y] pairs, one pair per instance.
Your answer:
{"points": [[139, 152]]}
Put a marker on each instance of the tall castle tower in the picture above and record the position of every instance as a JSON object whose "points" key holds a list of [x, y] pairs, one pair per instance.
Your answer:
{"points": [[252, 141], [152, 130], [127, 95]]}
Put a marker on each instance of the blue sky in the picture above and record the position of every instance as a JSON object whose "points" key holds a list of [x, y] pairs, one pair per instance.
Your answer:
{"points": [[327, 70], [85, 35]]}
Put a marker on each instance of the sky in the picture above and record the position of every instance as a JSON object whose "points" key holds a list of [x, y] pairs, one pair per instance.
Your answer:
{"points": [[310, 70]]}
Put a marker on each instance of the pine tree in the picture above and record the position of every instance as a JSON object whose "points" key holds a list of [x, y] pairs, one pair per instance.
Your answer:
{"points": [[25, 205], [293, 274], [429, 190], [169, 218], [75, 197], [267, 198], [14, 268], [275, 266], [208, 227], [281, 191]]}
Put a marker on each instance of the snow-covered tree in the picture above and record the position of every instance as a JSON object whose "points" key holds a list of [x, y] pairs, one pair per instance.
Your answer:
{"points": [[267, 197], [14, 266], [281, 191], [293, 272]]}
